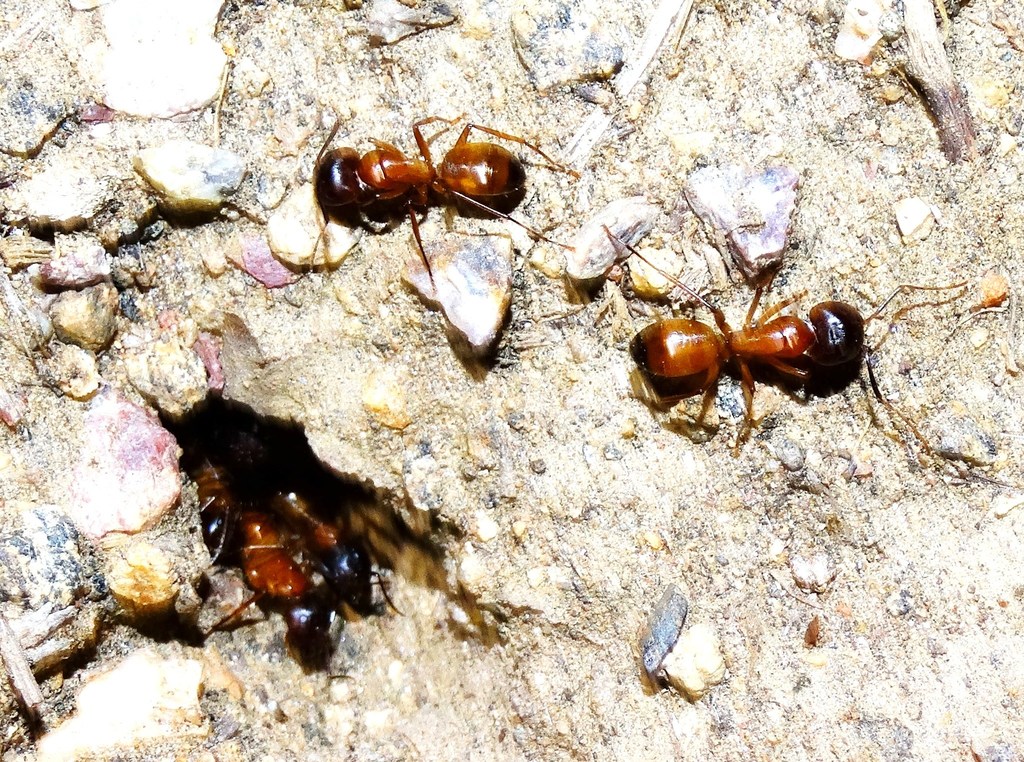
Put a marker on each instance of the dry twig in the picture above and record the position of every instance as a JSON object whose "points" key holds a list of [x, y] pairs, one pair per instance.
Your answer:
{"points": [[928, 66]]}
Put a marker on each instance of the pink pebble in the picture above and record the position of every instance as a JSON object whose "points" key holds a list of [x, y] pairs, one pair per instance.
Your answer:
{"points": [[207, 346], [259, 262], [127, 477], [82, 268]]}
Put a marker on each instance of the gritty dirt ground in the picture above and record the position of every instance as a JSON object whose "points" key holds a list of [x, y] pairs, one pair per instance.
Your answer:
{"points": [[599, 501]]}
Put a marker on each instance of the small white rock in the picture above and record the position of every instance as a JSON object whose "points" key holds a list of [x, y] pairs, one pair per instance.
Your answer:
{"points": [[914, 218], [144, 699], [593, 253], [815, 573], [486, 527], [162, 59], [695, 664], [859, 31], [293, 231], [191, 177]]}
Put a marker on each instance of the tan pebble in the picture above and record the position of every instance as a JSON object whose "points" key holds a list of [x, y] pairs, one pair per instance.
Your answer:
{"points": [[649, 280], [654, 540], [214, 260], [695, 664], [535, 577], [486, 527], [384, 398], [218, 676], [143, 581], [994, 289], [816, 658], [76, 371], [86, 317], [892, 93], [995, 93], [519, 529], [6, 461], [979, 337], [563, 727]]}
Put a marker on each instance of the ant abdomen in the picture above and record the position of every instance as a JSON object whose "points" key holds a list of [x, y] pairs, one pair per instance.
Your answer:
{"points": [[677, 348], [838, 333], [482, 170], [338, 185]]}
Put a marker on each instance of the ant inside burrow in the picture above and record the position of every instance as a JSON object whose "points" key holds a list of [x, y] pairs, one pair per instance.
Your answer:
{"points": [[682, 357], [485, 176], [295, 531]]}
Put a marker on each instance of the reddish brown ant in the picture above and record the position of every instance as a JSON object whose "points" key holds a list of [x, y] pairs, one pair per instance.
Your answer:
{"points": [[484, 175], [296, 549], [690, 355], [275, 564]]}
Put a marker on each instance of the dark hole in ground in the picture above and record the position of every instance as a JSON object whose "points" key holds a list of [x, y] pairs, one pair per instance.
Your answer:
{"points": [[308, 542]]}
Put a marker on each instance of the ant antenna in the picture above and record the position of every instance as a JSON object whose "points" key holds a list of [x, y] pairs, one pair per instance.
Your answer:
{"points": [[379, 581], [902, 289], [718, 314]]}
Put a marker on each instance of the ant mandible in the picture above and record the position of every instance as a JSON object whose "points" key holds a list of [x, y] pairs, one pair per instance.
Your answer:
{"points": [[688, 352], [484, 175]]}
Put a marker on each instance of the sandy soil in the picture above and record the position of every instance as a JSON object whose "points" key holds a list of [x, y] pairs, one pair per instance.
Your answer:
{"points": [[599, 501]]}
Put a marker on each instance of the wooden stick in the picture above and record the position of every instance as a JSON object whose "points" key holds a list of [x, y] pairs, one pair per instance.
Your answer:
{"points": [[19, 672], [928, 66]]}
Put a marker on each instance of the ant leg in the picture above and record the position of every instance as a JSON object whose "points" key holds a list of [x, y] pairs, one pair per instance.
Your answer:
{"points": [[424, 145], [775, 309], [501, 215], [717, 313], [419, 245], [789, 370], [711, 382], [891, 409], [747, 384], [464, 138], [234, 613], [384, 591]]}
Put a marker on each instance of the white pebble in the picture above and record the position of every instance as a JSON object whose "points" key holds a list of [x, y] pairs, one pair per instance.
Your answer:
{"points": [[144, 699], [815, 573], [191, 177], [162, 59], [914, 218], [695, 664], [293, 232], [859, 31]]}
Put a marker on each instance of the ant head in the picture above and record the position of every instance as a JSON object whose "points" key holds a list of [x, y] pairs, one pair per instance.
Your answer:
{"points": [[348, 570], [309, 628], [336, 180], [838, 333]]}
